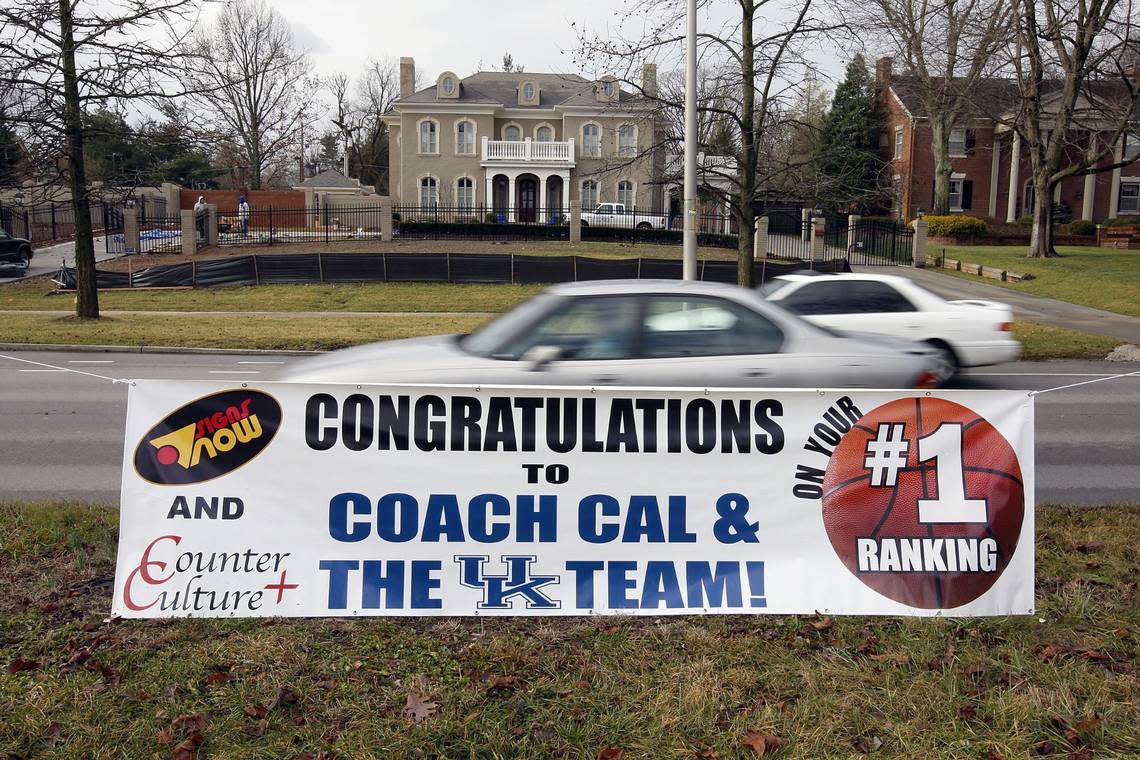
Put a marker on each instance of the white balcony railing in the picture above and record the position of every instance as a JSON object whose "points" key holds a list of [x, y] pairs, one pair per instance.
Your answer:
{"points": [[528, 151]]}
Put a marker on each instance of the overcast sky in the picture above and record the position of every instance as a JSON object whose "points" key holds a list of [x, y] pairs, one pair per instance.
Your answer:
{"points": [[458, 35]]}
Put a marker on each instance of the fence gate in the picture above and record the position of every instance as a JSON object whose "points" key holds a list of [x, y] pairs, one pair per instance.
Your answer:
{"points": [[879, 243], [114, 238], [789, 235]]}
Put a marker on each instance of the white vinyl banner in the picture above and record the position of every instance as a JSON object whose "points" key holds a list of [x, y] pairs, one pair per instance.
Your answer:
{"points": [[311, 500]]}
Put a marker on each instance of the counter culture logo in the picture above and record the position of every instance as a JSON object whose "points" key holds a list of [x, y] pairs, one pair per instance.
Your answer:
{"points": [[208, 438], [923, 501]]}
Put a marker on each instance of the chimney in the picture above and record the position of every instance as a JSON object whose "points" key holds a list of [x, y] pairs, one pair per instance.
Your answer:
{"points": [[883, 71], [407, 77], [649, 80]]}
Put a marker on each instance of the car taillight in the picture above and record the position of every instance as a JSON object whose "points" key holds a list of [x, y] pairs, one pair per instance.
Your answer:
{"points": [[1005, 327], [927, 380]]}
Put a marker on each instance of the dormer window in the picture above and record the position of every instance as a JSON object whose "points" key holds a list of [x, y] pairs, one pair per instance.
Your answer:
{"points": [[528, 93], [447, 86], [606, 90]]}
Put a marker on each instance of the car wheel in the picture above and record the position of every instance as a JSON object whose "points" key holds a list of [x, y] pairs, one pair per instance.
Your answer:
{"points": [[25, 259], [644, 226], [948, 357]]}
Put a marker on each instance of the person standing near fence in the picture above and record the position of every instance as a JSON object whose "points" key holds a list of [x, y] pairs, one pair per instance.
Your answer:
{"points": [[243, 215], [200, 217]]}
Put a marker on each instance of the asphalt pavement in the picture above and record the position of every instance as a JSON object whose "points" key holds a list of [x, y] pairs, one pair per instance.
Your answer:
{"points": [[61, 433], [48, 259]]}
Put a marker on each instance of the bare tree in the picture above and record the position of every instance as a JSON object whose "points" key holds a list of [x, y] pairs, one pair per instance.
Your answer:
{"points": [[1077, 95], [757, 63], [947, 47], [248, 78], [61, 60], [376, 88]]}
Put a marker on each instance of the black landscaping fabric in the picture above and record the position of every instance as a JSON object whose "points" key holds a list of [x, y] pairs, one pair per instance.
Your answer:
{"points": [[429, 267]]}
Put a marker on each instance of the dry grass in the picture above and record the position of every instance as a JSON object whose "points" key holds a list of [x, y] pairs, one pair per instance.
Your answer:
{"points": [[1058, 686]]}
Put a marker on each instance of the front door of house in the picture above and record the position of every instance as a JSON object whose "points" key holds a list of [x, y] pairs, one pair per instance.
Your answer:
{"points": [[528, 199]]}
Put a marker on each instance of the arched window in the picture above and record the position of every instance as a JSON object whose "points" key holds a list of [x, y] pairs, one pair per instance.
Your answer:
{"points": [[528, 91], [429, 193], [429, 137], [512, 132], [591, 140], [589, 195], [464, 138], [627, 140], [448, 85], [625, 193], [465, 193], [544, 134]]}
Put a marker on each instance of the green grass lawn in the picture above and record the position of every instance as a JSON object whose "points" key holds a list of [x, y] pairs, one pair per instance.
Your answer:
{"points": [[1103, 278], [1061, 684]]}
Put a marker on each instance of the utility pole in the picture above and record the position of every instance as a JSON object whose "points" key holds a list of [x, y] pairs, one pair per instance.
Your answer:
{"points": [[301, 160], [689, 238]]}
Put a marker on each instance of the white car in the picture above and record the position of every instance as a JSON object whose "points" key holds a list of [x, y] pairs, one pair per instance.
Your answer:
{"points": [[970, 333], [616, 215]]}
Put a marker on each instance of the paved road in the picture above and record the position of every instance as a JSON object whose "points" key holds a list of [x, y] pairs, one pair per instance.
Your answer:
{"points": [[61, 434]]}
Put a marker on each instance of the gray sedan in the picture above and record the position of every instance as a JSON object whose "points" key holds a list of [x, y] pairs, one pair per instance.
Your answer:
{"points": [[640, 333]]}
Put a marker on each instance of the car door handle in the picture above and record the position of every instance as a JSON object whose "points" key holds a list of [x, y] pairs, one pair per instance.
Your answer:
{"points": [[756, 373], [606, 379]]}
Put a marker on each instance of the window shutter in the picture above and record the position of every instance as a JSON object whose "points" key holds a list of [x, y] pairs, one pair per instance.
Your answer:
{"points": [[971, 141], [967, 194]]}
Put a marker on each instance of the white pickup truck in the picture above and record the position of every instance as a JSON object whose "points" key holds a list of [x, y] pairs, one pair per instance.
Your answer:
{"points": [[616, 215]]}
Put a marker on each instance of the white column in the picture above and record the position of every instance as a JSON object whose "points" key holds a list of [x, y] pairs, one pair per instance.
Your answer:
{"points": [[511, 198], [565, 192], [727, 218], [542, 213], [1088, 201], [489, 198], [526, 148], [995, 169], [1014, 179], [1114, 192]]}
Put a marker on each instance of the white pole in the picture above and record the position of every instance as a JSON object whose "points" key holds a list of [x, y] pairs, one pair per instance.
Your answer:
{"points": [[689, 239]]}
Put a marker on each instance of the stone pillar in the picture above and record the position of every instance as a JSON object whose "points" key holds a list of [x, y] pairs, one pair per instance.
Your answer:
{"points": [[1114, 189], [575, 221], [189, 232], [805, 217], [919, 247], [310, 211], [760, 241], [1014, 179], [131, 242], [386, 219], [211, 224], [511, 199], [173, 195], [852, 229], [995, 170], [818, 231]]}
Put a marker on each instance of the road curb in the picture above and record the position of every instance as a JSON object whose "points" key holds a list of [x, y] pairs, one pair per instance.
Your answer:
{"points": [[68, 347]]}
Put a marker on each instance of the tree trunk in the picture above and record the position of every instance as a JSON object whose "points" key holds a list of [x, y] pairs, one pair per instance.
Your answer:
{"points": [[87, 294], [1041, 237], [940, 149], [745, 245]]}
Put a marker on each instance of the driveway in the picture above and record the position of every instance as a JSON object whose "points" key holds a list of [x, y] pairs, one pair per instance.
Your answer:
{"points": [[47, 260], [1025, 307]]}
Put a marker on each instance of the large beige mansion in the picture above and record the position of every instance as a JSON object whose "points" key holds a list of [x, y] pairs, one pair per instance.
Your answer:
{"points": [[523, 145]]}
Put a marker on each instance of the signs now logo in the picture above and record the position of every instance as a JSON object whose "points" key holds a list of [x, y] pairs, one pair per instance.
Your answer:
{"points": [[208, 438]]}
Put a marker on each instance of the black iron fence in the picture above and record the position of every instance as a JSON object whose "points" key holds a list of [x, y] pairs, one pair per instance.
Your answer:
{"points": [[425, 267], [479, 222], [49, 222], [873, 242], [655, 227], [281, 226]]}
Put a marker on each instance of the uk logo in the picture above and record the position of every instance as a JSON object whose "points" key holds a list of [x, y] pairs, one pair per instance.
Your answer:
{"points": [[501, 591]]}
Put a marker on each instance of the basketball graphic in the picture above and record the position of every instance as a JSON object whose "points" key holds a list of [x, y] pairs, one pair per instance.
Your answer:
{"points": [[923, 501]]}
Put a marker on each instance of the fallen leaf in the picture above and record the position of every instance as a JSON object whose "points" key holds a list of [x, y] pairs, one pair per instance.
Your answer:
{"points": [[895, 659], [967, 712], [1049, 652], [54, 733], [504, 684], [611, 753], [582, 684], [18, 665], [190, 722], [1092, 655], [1084, 753], [256, 710], [761, 743], [995, 755], [471, 716], [256, 729], [217, 677], [165, 736], [708, 753], [867, 744], [285, 697], [327, 684], [187, 749], [1088, 725], [823, 624], [1090, 547], [418, 708], [1043, 747]]}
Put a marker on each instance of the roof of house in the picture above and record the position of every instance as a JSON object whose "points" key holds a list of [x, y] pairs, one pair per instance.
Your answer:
{"points": [[501, 88], [993, 95], [330, 178]]}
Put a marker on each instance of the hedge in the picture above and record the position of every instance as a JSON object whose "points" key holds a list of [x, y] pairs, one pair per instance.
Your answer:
{"points": [[955, 225]]}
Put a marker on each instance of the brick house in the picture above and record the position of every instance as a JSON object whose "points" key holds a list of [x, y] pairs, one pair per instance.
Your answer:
{"points": [[987, 161], [523, 144]]}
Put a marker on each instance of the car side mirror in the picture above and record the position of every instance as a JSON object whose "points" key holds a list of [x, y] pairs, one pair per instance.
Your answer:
{"points": [[540, 356]]}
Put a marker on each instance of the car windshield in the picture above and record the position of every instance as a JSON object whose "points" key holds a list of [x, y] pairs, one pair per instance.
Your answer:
{"points": [[486, 339], [771, 286]]}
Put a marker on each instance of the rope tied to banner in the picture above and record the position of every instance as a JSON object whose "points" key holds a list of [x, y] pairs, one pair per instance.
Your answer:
{"points": [[1085, 382], [68, 369]]}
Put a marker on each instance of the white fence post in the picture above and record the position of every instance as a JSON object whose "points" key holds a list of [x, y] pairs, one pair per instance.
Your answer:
{"points": [[852, 222], [918, 248], [760, 242], [818, 231]]}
